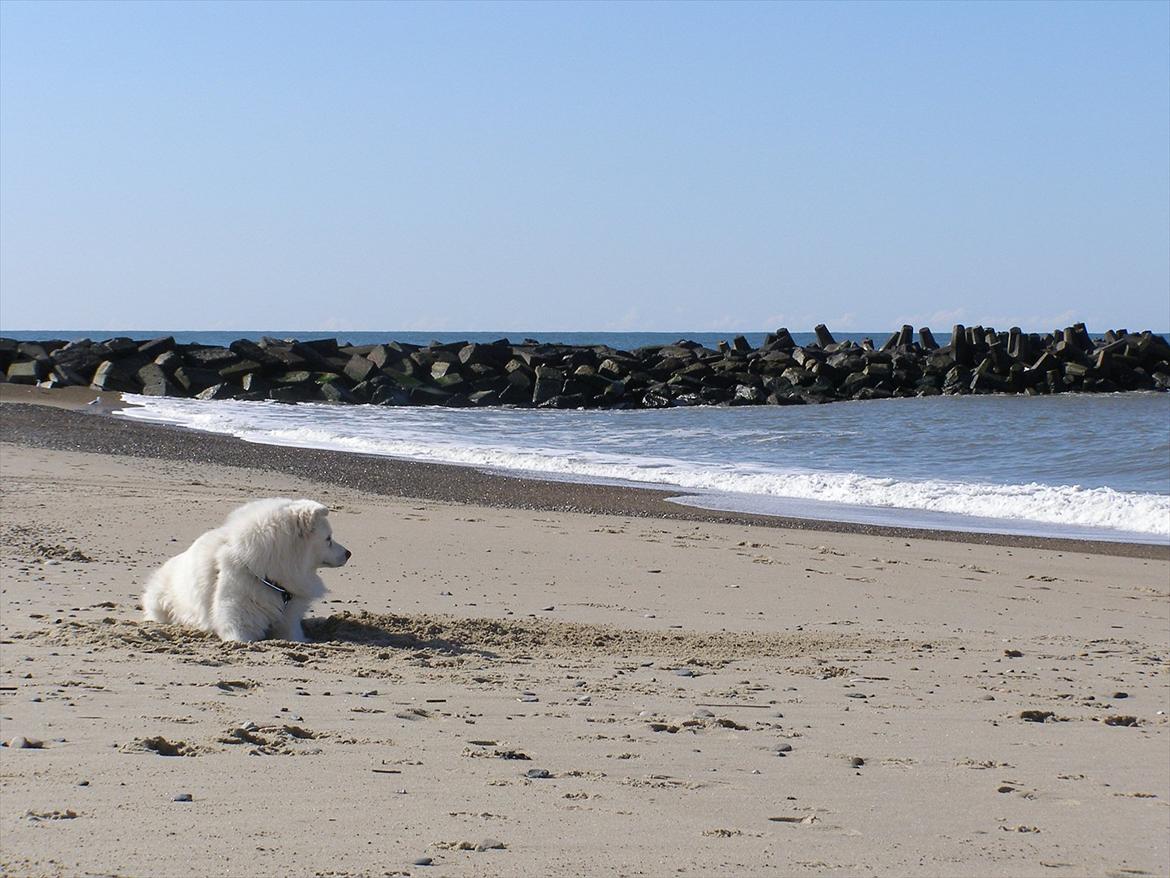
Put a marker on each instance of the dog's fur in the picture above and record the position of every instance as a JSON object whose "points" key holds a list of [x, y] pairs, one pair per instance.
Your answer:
{"points": [[215, 584]]}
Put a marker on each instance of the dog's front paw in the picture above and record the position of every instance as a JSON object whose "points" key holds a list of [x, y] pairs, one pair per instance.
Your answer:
{"points": [[292, 632], [235, 634]]}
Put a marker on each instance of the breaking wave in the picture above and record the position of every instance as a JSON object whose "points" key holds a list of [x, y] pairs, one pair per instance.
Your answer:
{"points": [[755, 459]]}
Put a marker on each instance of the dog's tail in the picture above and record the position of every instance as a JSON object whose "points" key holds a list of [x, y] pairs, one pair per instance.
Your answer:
{"points": [[154, 607]]}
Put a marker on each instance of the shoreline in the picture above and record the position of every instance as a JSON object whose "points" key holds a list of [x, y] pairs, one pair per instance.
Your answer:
{"points": [[62, 419]]}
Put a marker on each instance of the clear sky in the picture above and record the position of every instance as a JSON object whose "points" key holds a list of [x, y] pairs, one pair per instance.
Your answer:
{"points": [[595, 166]]}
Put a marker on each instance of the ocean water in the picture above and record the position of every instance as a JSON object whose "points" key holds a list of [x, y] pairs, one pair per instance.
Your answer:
{"points": [[1084, 466], [624, 341]]}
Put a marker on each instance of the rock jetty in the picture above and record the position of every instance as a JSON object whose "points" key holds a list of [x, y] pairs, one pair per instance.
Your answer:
{"points": [[974, 359]]}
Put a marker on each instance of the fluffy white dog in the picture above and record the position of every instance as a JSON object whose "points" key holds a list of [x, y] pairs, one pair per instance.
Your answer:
{"points": [[253, 576]]}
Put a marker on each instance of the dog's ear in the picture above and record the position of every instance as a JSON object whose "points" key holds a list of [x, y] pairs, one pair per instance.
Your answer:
{"points": [[308, 513]]}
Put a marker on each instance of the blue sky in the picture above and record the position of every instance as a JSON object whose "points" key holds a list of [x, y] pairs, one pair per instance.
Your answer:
{"points": [[561, 166]]}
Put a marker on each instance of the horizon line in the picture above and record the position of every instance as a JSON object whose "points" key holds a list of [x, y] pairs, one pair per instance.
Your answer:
{"points": [[531, 332]]}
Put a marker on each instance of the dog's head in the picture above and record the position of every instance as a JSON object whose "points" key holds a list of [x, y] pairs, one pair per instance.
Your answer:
{"points": [[280, 537], [313, 527]]}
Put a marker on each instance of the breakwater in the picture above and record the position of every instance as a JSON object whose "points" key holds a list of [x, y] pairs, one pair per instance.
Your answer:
{"points": [[528, 373]]}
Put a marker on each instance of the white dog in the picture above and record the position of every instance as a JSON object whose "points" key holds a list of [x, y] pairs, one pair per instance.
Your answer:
{"points": [[251, 577]]}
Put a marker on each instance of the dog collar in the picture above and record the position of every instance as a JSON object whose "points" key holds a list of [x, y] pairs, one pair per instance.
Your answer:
{"points": [[284, 593]]}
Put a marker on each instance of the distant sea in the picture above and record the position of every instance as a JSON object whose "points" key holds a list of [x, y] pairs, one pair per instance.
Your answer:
{"points": [[1083, 466], [619, 340]]}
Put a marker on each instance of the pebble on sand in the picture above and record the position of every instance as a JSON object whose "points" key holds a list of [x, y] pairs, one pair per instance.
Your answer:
{"points": [[1036, 716], [1122, 721], [20, 742]]}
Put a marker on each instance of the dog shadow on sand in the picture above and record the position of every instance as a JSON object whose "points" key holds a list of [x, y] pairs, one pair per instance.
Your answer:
{"points": [[387, 632]]}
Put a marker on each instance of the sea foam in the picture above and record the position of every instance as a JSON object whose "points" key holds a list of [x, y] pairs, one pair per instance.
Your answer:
{"points": [[632, 450]]}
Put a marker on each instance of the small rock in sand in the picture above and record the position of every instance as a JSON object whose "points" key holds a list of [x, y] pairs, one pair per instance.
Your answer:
{"points": [[20, 742], [182, 797], [490, 844], [1121, 721], [1036, 716], [423, 861], [537, 773], [856, 761]]}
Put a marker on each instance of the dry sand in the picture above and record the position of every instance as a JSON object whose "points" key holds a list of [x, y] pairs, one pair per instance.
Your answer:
{"points": [[705, 697]]}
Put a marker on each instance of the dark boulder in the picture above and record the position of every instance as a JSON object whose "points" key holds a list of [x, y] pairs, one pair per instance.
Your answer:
{"points": [[747, 394], [781, 340], [8, 352], [335, 391], [824, 337], [307, 392], [209, 357], [29, 371], [82, 356], [389, 394], [255, 383], [493, 355], [216, 391], [193, 379], [161, 387], [549, 383], [359, 369], [150, 374], [426, 395], [265, 357], [63, 376], [484, 398], [116, 376]]}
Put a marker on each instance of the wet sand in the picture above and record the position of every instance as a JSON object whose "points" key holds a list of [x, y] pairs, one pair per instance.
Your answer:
{"points": [[66, 422]]}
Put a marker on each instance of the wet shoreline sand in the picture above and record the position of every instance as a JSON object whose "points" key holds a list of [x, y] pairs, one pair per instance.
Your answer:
{"points": [[60, 419]]}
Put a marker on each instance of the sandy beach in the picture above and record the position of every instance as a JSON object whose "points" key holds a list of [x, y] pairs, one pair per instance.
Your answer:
{"points": [[524, 678]]}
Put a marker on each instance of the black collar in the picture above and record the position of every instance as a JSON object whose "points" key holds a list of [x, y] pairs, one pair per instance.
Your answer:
{"points": [[284, 593]]}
